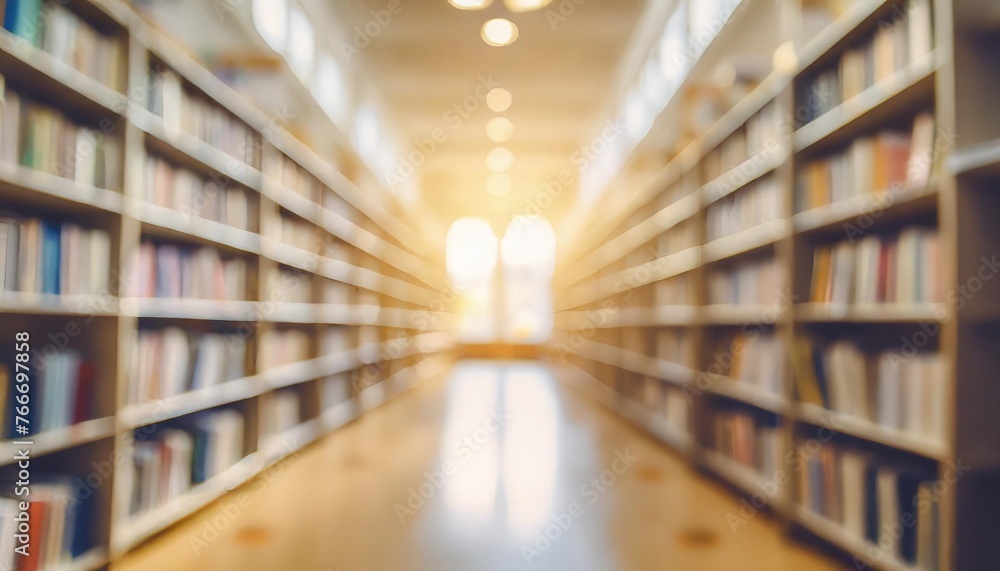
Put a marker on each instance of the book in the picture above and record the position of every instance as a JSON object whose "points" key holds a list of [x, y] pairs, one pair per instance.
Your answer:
{"points": [[900, 392], [754, 282], [171, 361], [172, 271], [901, 268], [181, 189]]}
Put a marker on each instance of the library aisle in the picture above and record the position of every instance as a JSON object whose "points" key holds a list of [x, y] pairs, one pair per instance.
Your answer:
{"points": [[525, 455]]}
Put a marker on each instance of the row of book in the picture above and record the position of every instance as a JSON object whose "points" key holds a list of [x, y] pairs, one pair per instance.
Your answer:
{"points": [[61, 524], [172, 361], [902, 392], [42, 256], [678, 238], [280, 412], [283, 346], [894, 43], [195, 114], [182, 190], [39, 137], [748, 438], [890, 161], [667, 402], [183, 454], [287, 285], [731, 153], [673, 291], [61, 393], [902, 268], [757, 203], [337, 389], [753, 282], [891, 506], [169, 271], [68, 38], [676, 346], [296, 232], [297, 179], [764, 131], [755, 358]]}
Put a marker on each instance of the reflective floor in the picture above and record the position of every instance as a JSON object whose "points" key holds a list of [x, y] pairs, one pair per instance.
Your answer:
{"points": [[498, 467]]}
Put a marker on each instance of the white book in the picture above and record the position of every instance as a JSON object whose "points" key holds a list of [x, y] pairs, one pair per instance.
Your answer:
{"points": [[176, 355], [889, 391], [852, 467], [888, 509]]}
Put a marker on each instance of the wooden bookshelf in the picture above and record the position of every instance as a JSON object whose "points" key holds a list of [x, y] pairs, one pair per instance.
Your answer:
{"points": [[387, 311], [606, 291]]}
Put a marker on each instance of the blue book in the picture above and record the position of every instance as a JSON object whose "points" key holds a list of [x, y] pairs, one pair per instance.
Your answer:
{"points": [[21, 18], [51, 243]]}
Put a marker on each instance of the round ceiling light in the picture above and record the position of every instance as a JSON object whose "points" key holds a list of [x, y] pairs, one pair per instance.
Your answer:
{"points": [[525, 5], [499, 32], [499, 99], [470, 4], [498, 184], [499, 129], [500, 160]]}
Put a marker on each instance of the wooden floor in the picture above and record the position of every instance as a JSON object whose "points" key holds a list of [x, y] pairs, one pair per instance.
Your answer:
{"points": [[496, 468]]}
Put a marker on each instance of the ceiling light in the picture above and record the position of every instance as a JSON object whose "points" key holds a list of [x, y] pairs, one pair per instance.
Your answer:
{"points": [[470, 4], [525, 5], [498, 184], [498, 99], [500, 159], [499, 32], [499, 129]]}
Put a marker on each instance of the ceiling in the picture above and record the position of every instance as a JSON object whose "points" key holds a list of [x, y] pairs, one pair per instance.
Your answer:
{"points": [[429, 58]]}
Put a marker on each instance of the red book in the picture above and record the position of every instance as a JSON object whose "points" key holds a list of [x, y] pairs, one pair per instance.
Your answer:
{"points": [[85, 389]]}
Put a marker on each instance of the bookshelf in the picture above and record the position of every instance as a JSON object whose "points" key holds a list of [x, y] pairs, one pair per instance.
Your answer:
{"points": [[794, 388], [221, 295]]}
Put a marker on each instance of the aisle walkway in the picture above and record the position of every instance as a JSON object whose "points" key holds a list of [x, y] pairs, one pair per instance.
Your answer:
{"points": [[497, 469]]}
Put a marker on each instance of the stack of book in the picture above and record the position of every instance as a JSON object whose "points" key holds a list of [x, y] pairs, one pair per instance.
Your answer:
{"points": [[68, 38], [749, 439], [890, 48], [754, 282], [41, 256], [892, 506], [195, 114], [879, 269], [755, 204], [676, 346], [39, 137], [896, 390], [62, 388], [756, 358], [289, 285], [182, 190], [180, 455], [282, 346], [169, 271], [171, 361], [302, 182], [889, 161], [61, 524]]}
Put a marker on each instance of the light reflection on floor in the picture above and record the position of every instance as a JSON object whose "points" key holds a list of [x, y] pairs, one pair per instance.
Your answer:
{"points": [[532, 487]]}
